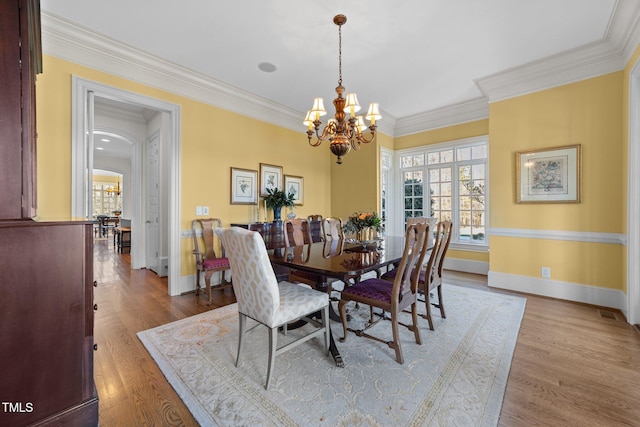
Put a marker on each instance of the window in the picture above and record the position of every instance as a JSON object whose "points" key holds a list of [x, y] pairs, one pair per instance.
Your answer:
{"points": [[105, 200], [385, 181], [448, 182]]}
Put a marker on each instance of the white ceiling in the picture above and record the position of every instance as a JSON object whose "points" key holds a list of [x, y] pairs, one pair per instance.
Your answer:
{"points": [[411, 56]]}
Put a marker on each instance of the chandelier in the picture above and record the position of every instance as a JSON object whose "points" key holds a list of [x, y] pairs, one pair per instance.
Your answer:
{"points": [[113, 189], [342, 133]]}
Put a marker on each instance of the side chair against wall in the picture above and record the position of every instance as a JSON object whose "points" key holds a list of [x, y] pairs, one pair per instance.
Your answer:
{"points": [[262, 299], [207, 260], [314, 217], [392, 297], [300, 232]]}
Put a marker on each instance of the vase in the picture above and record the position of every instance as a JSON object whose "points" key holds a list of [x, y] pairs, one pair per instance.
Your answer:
{"points": [[277, 211], [365, 234]]}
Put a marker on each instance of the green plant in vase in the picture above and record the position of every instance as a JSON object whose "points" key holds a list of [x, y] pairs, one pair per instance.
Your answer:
{"points": [[364, 225], [276, 199]]}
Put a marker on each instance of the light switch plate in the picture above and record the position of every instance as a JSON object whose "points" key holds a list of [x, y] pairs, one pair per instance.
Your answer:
{"points": [[198, 210]]}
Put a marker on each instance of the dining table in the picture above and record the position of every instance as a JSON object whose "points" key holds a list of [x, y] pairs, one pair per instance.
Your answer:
{"points": [[342, 259]]}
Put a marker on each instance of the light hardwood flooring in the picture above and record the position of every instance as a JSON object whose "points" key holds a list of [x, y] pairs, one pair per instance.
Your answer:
{"points": [[574, 364]]}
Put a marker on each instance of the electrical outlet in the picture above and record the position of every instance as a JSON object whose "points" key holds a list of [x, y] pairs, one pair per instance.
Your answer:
{"points": [[205, 210], [198, 210], [545, 272]]}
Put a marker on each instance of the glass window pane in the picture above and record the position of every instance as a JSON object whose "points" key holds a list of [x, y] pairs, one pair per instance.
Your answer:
{"points": [[445, 174], [418, 160], [446, 156], [463, 153], [465, 203], [465, 172], [446, 189], [433, 158], [435, 189], [445, 203], [405, 161], [478, 171], [479, 152]]}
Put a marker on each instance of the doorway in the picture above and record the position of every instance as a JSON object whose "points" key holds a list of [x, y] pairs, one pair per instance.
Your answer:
{"points": [[84, 94]]}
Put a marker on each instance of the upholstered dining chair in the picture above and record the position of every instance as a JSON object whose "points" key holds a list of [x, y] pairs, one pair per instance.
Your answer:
{"points": [[314, 217], [300, 232], [207, 260], [261, 298], [332, 229], [392, 297]]}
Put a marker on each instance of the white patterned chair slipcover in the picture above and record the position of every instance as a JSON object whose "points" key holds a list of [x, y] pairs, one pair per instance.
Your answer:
{"points": [[261, 298]]}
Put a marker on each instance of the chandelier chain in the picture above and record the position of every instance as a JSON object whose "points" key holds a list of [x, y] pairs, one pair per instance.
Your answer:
{"points": [[340, 55]]}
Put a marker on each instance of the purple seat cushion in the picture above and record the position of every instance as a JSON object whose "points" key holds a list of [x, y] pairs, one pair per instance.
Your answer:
{"points": [[214, 263], [376, 289], [391, 275]]}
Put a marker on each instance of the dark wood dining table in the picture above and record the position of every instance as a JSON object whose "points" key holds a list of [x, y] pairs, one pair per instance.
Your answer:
{"points": [[340, 260]]}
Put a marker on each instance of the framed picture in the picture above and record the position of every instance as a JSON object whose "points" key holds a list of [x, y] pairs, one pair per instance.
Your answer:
{"points": [[295, 185], [244, 186], [550, 175], [270, 178]]}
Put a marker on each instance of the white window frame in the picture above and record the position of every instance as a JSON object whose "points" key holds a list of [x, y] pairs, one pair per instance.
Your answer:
{"points": [[395, 198]]}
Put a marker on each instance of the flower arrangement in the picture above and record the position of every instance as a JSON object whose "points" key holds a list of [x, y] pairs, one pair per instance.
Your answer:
{"points": [[363, 222]]}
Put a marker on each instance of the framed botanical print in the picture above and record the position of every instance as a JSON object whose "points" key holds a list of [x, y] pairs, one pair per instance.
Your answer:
{"points": [[550, 175], [270, 178], [244, 186], [295, 184]]}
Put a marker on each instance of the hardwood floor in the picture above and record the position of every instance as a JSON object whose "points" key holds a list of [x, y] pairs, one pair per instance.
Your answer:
{"points": [[574, 364]]}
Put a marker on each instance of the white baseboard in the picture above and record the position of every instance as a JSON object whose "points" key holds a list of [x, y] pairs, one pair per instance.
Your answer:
{"points": [[562, 290], [468, 266]]}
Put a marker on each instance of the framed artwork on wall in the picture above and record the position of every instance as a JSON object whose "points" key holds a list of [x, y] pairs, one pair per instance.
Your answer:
{"points": [[270, 178], [244, 186], [295, 184], [550, 175]]}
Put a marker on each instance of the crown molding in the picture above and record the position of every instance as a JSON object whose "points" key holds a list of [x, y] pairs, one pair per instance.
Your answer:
{"points": [[73, 43], [577, 64], [463, 112], [68, 41]]}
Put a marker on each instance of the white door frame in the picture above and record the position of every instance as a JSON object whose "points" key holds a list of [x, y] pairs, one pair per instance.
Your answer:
{"points": [[80, 167], [633, 197]]}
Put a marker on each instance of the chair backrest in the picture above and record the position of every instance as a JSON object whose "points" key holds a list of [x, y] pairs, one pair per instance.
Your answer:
{"points": [[332, 247], [206, 226], [433, 275], [332, 228], [314, 217], [415, 249], [254, 282], [300, 232]]}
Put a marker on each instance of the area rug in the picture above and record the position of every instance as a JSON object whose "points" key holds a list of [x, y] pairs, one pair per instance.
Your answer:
{"points": [[456, 377]]}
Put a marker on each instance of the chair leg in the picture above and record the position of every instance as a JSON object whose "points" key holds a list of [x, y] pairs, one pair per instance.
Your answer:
{"points": [[242, 326], [427, 302], [395, 344], [414, 316], [327, 329], [440, 302], [198, 282], [207, 280], [343, 316], [273, 341]]}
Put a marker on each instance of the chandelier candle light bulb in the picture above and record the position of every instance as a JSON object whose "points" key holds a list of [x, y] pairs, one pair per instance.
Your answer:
{"points": [[342, 133]]}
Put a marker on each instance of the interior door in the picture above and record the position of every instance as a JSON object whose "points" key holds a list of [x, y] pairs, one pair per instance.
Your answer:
{"points": [[152, 242]]}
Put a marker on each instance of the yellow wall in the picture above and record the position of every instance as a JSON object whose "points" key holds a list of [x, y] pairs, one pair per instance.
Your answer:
{"points": [[212, 141], [587, 113]]}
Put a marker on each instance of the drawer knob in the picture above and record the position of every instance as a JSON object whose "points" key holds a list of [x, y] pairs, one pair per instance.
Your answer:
{"points": [[95, 283], [95, 307], [95, 347]]}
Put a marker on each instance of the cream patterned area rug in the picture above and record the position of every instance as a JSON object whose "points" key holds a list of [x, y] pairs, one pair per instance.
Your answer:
{"points": [[457, 377]]}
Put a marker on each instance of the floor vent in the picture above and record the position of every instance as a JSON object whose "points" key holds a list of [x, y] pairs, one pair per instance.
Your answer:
{"points": [[607, 314]]}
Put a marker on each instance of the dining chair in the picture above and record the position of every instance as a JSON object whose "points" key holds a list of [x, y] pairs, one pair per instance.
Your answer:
{"points": [[299, 230], [207, 260], [431, 277], [260, 297], [332, 228], [314, 217], [392, 297]]}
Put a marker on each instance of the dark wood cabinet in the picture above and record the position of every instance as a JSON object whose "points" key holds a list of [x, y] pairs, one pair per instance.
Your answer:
{"points": [[20, 61], [46, 268], [46, 326]]}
